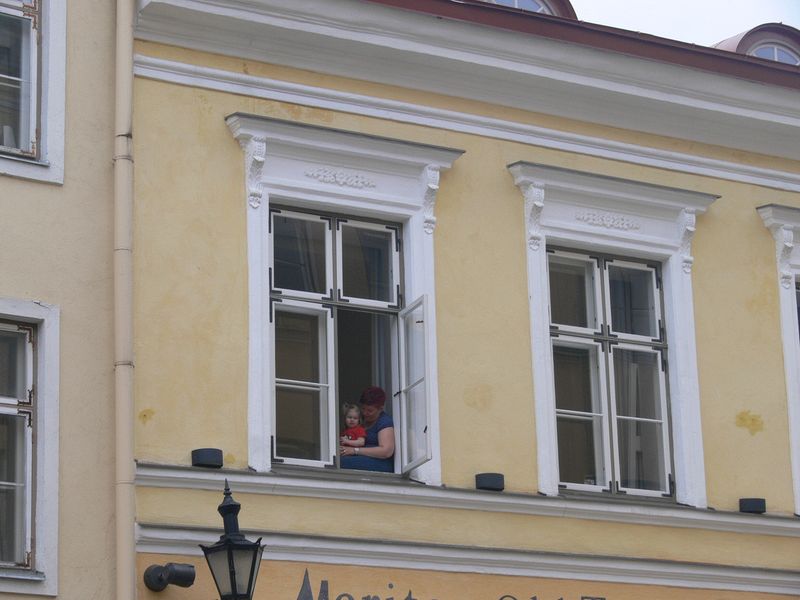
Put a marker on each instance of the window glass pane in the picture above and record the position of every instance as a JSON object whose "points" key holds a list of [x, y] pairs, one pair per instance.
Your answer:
{"points": [[580, 450], [786, 57], [636, 384], [298, 425], [299, 254], [533, 6], [12, 488], [297, 346], [415, 422], [414, 326], [12, 364], [765, 52], [364, 353], [575, 371], [633, 308], [571, 292], [367, 257], [641, 455], [14, 85]]}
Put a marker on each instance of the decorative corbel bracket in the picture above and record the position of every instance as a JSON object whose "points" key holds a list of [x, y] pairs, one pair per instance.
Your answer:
{"points": [[782, 222], [255, 156], [686, 231], [430, 182], [784, 244], [533, 192]]}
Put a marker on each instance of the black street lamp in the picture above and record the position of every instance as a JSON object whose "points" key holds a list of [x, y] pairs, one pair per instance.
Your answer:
{"points": [[233, 560]]}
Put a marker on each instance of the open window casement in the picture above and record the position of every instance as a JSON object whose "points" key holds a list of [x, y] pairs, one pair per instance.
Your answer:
{"points": [[304, 412], [415, 378], [16, 443]]}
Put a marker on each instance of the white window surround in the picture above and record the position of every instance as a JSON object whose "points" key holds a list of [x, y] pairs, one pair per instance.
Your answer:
{"points": [[338, 171], [43, 579], [593, 212], [784, 224], [49, 166]]}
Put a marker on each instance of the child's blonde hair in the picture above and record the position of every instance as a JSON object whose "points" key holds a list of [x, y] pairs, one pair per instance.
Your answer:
{"points": [[346, 408]]}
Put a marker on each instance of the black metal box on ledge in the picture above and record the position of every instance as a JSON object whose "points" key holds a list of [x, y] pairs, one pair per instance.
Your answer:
{"points": [[490, 481], [210, 458], [753, 505]]}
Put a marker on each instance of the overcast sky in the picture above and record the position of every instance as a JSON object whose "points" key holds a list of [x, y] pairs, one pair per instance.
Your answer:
{"points": [[703, 22]]}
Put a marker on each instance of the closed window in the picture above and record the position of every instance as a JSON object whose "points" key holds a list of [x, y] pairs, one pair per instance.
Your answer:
{"points": [[609, 365], [17, 418], [339, 327], [19, 74]]}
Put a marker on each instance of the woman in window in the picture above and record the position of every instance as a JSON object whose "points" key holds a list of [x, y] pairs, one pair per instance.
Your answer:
{"points": [[377, 454]]}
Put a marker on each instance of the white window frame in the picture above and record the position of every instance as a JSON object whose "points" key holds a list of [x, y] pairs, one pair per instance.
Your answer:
{"points": [[326, 351], [784, 224], [599, 387], [592, 212], [47, 103], [42, 577], [328, 263], [322, 169], [665, 431], [395, 267]]}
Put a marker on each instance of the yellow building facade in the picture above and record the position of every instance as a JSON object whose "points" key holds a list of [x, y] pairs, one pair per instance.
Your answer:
{"points": [[56, 298], [522, 176], [565, 253]]}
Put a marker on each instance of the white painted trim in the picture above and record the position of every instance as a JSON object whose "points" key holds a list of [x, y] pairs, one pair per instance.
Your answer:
{"points": [[638, 220], [272, 89], [784, 224], [487, 561], [412, 494], [49, 168], [419, 51], [43, 579], [328, 169]]}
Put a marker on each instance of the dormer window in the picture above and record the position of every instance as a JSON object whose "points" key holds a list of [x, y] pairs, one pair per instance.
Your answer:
{"points": [[776, 52], [529, 5]]}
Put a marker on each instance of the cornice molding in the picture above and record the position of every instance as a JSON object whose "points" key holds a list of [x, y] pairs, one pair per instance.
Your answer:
{"points": [[404, 493], [383, 44], [160, 539], [281, 91]]}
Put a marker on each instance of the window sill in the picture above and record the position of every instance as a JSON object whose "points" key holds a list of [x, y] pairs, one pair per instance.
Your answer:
{"points": [[341, 475], [30, 168], [24, 581], [392, 489]]}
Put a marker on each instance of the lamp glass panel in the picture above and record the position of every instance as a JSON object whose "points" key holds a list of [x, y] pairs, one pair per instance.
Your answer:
{"points": [[243, 564], [218, 563]]}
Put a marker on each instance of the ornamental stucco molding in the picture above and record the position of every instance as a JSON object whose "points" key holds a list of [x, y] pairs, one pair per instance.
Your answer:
{"points": [[430, 177], [255, 157], [784, 244], [534, 203], [607, 220], [686, 230], [340, 178]]}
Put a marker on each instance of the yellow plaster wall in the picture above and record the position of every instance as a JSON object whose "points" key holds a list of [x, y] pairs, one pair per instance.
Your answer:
{"points": [[282, 580], [56, 247], [442, 525], [191, 304]]}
